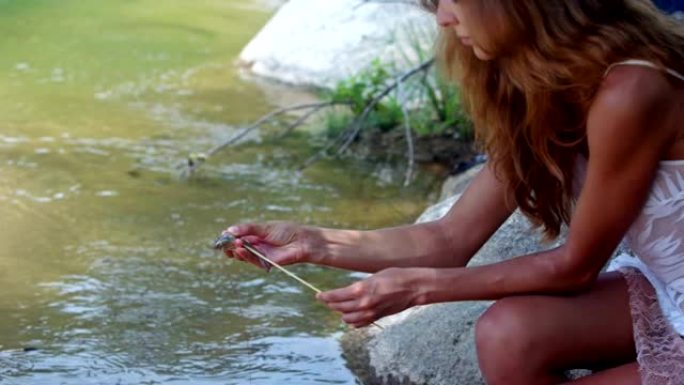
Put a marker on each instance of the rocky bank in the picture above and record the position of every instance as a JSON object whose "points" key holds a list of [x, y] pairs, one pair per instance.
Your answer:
{"points": [[434, 344], [320, 42]]}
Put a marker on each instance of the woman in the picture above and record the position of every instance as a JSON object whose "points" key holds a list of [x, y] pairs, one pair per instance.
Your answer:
{"points": [[579, 105]]}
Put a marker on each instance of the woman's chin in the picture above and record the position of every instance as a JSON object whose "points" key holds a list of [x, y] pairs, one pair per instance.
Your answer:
{"points": [[482, 55]]}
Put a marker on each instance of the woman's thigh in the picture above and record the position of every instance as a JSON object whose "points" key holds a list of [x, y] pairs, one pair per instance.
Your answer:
{"points": [[552, 333]]}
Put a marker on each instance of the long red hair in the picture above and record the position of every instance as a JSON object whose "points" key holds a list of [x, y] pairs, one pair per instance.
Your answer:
{"points": [[529, 104]]}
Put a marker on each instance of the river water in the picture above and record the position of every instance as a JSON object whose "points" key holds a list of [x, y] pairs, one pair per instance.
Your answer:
{"points": [[106, 275]]}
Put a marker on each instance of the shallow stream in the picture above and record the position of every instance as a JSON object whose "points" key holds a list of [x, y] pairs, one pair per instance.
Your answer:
{"points": [[106, 274]]}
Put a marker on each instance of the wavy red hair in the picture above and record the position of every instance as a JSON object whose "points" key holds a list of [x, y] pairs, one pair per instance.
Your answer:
{"points": [[529, 104]]}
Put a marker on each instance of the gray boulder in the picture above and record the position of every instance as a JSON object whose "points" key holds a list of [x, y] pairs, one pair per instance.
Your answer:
{"points": [[434, 344]]}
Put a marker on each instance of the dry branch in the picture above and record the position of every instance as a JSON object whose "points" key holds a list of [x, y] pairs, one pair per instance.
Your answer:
{"points": [[359, 122], [347, 136], [345, 139], [194, 161], [401, 97]]}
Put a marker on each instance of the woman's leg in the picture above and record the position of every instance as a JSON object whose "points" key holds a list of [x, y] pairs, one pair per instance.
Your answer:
{"points": [[531, 340]]}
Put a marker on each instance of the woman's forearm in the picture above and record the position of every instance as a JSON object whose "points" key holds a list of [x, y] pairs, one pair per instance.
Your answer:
{"points": [[419, 245], [448, 242], [538, 273]]}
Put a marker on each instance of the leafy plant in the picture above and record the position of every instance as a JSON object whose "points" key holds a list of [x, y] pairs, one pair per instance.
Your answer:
{"points": [[444, 103], [362, 89], [336, 122]]}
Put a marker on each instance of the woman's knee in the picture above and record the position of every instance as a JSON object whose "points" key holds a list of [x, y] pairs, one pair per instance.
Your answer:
{"points": [[505, 337], [506, 321]]}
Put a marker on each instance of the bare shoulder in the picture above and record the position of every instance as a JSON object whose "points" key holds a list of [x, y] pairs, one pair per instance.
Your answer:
{"points": [[634, 104], [633, 91]]}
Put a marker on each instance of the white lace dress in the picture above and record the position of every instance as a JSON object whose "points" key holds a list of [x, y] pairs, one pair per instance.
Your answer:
{"points": [[657, 240], [655, 273], [655, 277]]}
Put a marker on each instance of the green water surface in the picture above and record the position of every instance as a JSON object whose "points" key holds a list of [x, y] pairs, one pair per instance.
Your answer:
{"points": [[105, 267]]}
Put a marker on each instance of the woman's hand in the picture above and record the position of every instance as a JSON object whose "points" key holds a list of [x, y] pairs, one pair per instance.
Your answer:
{"points": [[386, 292], [284, 243]]}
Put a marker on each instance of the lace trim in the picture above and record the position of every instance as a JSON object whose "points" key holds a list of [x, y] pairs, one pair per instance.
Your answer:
{"points": [[667, 303], [660, 350]]}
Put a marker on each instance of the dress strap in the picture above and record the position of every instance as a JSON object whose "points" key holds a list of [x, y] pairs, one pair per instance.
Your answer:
{"points": [[644, 63]]}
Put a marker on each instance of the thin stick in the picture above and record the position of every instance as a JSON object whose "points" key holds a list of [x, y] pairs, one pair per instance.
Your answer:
{"points": [[348, 135], [358, 123], [256, 252], [194, 164]]}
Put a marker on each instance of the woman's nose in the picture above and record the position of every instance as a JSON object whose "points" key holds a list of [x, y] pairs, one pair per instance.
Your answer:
{"points": [[445, 17]]}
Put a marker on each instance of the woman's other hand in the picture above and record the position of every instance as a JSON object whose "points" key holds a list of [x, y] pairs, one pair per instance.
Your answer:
{"points": [[384, 293], [284, 243]]}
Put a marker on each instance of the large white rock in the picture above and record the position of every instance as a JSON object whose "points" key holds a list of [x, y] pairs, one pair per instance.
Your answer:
{"points": [[320, 42]]}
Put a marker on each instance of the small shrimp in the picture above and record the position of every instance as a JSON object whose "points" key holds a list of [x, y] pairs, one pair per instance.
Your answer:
{"points": [[225, 242]]}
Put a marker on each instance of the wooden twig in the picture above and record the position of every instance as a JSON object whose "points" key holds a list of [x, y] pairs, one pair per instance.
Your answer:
{"points": [[359, 121], [290, 274], [344, 140], [257, 253], [323, 152], [401, 97], [195, 161], [347, 136], [302, 119]]}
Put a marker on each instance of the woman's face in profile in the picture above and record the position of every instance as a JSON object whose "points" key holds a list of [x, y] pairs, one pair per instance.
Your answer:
{"points": [[453, 14]]}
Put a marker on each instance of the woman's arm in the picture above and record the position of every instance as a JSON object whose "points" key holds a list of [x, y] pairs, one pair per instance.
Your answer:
{"points": [[628, 131], [448, 242]]}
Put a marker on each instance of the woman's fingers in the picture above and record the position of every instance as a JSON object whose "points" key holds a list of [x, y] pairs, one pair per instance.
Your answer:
{"points": [[344, 307], [239, 230], [344, 294], [255, 229], [379, 295], [276, 233], [241, 254], [274, 254], [279, 241], [244, 255], [282, 255], [363, 318], [358, 307], [360, 304]]}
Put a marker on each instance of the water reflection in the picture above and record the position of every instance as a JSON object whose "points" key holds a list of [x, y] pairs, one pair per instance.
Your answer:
{"points": [[105, 261], [134, 316], [267, 361], [112, 278]]}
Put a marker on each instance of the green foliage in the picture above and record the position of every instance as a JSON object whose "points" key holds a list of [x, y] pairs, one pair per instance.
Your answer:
{"points": [[431, 103], [434, 106], [443, 108], [336, 122], [387, 115], [362, 89]]}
